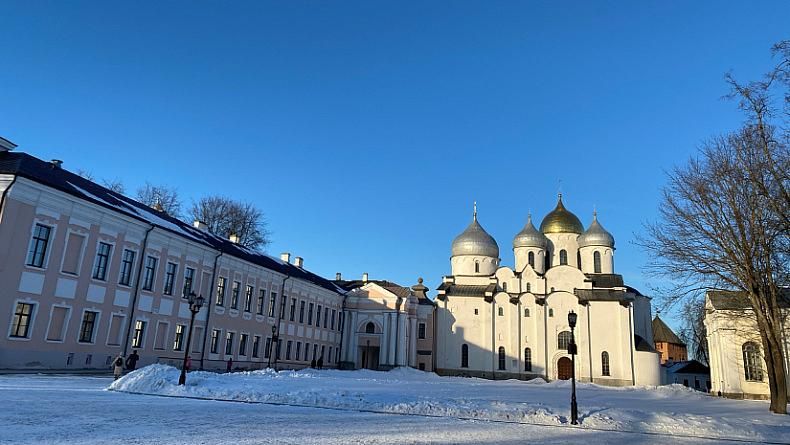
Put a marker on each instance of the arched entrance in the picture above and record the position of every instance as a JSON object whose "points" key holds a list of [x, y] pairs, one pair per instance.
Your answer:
{"points": [[564, 368]]}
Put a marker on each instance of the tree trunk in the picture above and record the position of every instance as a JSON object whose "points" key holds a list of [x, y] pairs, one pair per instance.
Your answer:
{"points": [[774, 362]]}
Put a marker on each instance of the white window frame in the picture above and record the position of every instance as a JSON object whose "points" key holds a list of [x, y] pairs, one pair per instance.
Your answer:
{"points": [[86, 235], [33, 315], [109, 259], [66, 321], [52, 235], [95, 325], [132, 272], [120, 332]]}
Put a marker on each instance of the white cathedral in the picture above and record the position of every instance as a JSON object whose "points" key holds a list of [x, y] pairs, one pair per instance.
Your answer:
{"points": [[496, 322]]}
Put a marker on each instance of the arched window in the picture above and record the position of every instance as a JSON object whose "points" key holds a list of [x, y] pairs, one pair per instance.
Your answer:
{"points": [[597, 262], [752, 362], [527, 359], [477, 266], [563, 340], [529, 287], [579, 260], [605, 363], [464, 356], [563, 257], [551, 312], [504, 287], [501, 311], [370, 328], [531, 259], [501, 358], [526, 312]]}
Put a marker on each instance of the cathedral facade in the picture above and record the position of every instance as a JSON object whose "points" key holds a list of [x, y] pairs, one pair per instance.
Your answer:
{"points": [[497, 322]]}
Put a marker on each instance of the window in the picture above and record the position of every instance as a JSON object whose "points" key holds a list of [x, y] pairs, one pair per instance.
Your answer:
{"points": [[477, 267], [102, 258], [329, 356], [261, 300], [477, 311], [57, 324], [221, 283], [605, 363], [178, 343], [248, 298], [189, 278], [298, 350], [370, 328], [229, 343], [501, 358], [531, 259], [161, 334], [292, 316], [288, 349], [150, 273], [597, 262], [563, 257], [563, 340], [20, 328], [464, 356], [310, 314], [501, 312], [529, 287], [234, 295], [127, 263], [421, 331], [215, 341], [72, 257], [301, 311], [752, 362], [326, 316], [526, 312], [87, 326], [527, 359], [282, 307], [243, 344], [334, 312], [279, 348], [267, 348], [117, 323], [38, 246], [504, 287], [306, 350], [315, 351], [318, 317], [139, 332], [256, 344], [170, 278], [272, 303], [551, 312]]}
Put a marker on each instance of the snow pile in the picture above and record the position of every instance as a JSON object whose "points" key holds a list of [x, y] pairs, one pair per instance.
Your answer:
{"points": [[670, 409]]}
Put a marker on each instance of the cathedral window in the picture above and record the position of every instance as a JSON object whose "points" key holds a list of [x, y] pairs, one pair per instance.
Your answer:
{"points": [[526, 312], [477, 266], [752, 366], [551, 312], [527, 359], [477, 311], [504, 287], [597, 262], [531, 259], [529, 287], [501, 358], [370, 328], [464, 356], [501, 312], [563, 340], [563, 257], [605, 363]]}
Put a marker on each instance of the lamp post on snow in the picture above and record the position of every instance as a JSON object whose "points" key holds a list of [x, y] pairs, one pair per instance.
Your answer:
{"points": [[572, 351], [195, 303], [271, 346]]}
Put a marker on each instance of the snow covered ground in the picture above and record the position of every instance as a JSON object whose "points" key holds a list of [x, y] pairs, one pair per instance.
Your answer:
{"points": [[72, 409]]}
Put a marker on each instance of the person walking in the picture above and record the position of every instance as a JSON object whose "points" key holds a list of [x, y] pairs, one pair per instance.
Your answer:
{"points": [[118, 366], [230, 364], [321, 362], [131, 361], [312, 363]]}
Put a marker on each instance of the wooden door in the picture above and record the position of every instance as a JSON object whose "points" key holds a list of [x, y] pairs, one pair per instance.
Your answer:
{"points": [[564, 368]]}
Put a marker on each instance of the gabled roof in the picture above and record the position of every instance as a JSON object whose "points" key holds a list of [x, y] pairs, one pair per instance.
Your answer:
{"points": [[395, 288], [664, 334], [640, 344], [47, 173], [688, 367]]}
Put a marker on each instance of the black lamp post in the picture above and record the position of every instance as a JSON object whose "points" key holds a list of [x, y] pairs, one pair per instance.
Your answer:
{"points": [[195, 303], [572, 351], [272, 348]]}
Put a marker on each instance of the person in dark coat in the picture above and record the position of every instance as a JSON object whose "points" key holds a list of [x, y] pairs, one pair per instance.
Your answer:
{"points": [[312, 363], [230, 364], [321, 362], [131, 361]]}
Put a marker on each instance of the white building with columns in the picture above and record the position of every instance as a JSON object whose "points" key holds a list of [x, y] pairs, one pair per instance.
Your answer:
{"points": [[498, 322]]}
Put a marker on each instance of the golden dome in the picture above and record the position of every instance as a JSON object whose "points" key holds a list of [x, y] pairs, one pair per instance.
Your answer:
{"points": [[560, 220]]}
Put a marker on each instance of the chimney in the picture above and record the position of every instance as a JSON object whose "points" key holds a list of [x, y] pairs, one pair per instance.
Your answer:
{"points": [[299, 262], [285, 257], [158, 207], [234, 238], [56, 163], [6, 145], [338, 277], [200, 225], [365, 277]]}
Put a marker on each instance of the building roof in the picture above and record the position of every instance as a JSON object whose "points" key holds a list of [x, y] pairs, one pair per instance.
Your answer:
{"points": [[529, 236], [585, 295], [595, 235], [605, 280], [688, 367], [561, 220], [397, 289], [640, 344], [663, 333], [474, 240], [52, 175], [467, 290], [738, 300]]}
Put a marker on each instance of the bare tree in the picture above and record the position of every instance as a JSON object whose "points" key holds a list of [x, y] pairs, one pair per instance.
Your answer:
{"points": [[692, 330], [723, 221], [161, 196], [115, 185], [85, 174], [225, 216]]}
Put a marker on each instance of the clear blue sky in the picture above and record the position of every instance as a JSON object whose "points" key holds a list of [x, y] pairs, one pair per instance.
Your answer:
{"points": [[365, 130]]}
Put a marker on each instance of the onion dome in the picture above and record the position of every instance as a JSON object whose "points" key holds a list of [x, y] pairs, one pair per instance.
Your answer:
{"points": [[595, 235], [560, 220], [475, 241], [530, 237]]}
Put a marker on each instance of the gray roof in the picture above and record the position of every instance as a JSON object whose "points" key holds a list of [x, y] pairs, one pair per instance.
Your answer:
{"points": [[738, 300], [466, 290], [596, 235], [395, 288], [530, 236], [688, 367], [605, 279], [585, 295], [664, 334], [475, 241], [640, 344]]}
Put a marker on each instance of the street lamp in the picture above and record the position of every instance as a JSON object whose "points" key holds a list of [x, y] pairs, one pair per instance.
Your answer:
{"points": [[271, 347], [572, 351], [195, 303]]}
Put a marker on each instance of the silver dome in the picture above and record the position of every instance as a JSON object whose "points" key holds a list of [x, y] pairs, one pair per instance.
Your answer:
{"points": [[595, 235], [475, 241], [530, 237]]}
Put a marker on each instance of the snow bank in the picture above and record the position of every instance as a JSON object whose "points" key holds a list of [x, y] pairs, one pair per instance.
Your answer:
{"points": [[672, 409]]}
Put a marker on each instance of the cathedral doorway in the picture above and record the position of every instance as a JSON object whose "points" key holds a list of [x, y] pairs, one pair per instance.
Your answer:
{"points": [[564, 368], [370, 357]]}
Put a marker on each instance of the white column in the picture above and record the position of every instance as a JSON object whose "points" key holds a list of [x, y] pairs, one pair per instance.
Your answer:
{"points": [[403, 359], [392, 340], [413, 343]]}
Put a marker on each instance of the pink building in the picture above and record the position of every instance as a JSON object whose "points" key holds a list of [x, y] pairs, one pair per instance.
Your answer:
{"points": [[87, 273]]}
